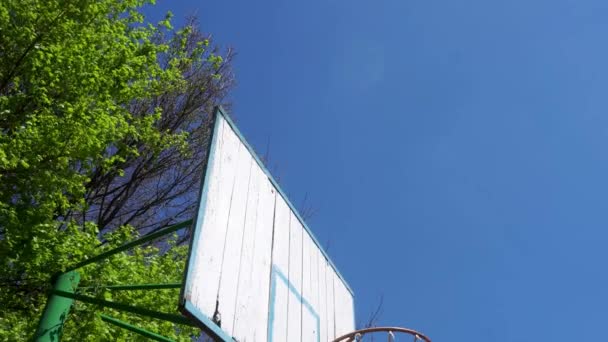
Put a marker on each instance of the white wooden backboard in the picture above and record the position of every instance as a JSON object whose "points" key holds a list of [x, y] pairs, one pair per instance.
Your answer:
{"points": [[255, 271]]}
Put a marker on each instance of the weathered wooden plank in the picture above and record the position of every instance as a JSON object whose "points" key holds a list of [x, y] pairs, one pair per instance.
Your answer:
{"points": [[294, 305], [248, 273], [234, 239], [280, 259]]}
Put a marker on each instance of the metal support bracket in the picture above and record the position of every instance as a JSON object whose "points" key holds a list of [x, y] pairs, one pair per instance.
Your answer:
{"points": [[134, 287], [128, 245], [178, 319], [137, 330]]}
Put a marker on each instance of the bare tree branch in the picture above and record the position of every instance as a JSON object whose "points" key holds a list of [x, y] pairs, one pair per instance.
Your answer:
{"points": [[153, 189]]}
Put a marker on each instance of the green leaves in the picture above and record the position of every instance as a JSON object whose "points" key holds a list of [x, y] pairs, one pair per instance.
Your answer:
{"points": [[53, 251], [71, 77], [68, 75]]}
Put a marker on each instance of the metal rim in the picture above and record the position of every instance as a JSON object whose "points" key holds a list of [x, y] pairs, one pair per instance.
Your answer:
{"points": [[352, 336]]}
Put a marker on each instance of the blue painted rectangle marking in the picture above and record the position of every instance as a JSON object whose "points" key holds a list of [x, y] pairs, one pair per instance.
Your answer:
{"points": [[277, 274]]}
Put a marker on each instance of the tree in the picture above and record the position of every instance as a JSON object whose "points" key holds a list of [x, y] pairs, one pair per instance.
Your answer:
{"points": [[102, 123], [155, 188], [23, 300]]}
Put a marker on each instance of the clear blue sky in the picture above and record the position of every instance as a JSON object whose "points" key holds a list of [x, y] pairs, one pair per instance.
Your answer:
{"points": [[455, 151]]}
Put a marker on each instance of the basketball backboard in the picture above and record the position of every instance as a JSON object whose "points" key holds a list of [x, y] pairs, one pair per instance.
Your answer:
{"points": [[255, 270]]}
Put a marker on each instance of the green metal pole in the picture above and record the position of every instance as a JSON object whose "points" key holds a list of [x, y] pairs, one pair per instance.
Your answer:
{"points": [[57, 308], [137, 330]]}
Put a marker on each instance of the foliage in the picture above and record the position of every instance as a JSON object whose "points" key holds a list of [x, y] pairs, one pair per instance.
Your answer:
{"points": [[23, 300], [96, 108]]}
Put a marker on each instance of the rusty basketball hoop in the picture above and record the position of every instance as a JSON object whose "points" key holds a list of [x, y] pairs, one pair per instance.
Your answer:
{"points": [[390, 331]]}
